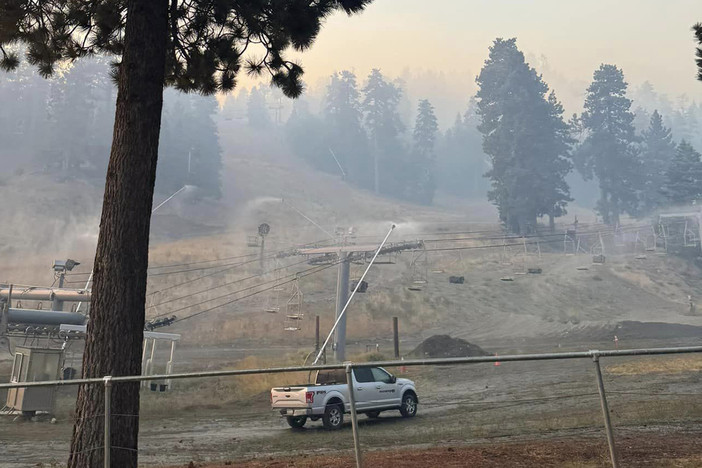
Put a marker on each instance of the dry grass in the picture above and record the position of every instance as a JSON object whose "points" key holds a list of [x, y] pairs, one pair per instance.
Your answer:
{"points": [[223, 391], [657, 366]]}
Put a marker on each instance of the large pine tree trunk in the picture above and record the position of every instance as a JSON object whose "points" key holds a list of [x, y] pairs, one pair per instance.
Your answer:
{"points": [[115, 331]]}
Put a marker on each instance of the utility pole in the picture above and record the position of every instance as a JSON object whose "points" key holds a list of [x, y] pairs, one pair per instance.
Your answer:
{"points": [[342, 296], [396, 338]]}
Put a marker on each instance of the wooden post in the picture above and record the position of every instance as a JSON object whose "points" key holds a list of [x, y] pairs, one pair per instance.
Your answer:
{"points": [[396, 337]]}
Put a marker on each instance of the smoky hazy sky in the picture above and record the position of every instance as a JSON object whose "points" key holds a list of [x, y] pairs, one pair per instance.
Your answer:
{"points": [[650, 39]]}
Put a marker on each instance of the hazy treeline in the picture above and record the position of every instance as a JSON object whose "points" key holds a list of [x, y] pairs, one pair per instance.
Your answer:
{"points": [[514, 141], [533, 148], [63, 126]]}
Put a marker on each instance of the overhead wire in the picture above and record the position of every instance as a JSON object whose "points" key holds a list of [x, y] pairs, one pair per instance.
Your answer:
{"points": [[240, 280], [297, 276], [199, 262]]}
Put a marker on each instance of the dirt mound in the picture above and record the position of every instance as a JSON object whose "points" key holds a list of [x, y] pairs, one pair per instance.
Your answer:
{"points": [[444, 346]]}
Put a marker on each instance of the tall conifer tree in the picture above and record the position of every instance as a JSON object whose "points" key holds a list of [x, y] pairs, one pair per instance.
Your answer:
{"points": [[525, 137], [683, 180], [657, 152], [422, 183], [194, 46], [609, 150]]}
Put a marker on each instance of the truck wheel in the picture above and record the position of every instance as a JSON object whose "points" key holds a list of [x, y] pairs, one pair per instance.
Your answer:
{"points": [[333, 417], [296, 422], [373, 414], [409, 405]]}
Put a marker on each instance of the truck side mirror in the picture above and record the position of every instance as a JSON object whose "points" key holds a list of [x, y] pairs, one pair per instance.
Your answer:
{"points": [[393, 379]]}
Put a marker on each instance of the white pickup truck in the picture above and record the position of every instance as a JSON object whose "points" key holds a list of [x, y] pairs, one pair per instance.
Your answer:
{"points": [[375, 390]]}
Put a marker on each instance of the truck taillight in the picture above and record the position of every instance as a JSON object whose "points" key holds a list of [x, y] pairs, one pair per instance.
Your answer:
{"points": [[309, 397]]}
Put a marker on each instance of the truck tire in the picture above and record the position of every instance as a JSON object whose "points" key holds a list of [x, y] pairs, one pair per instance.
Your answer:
{"points": [[333, 417], [296, 422], [408, 408]]}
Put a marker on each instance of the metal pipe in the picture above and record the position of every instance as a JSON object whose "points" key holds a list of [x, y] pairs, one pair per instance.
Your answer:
{"points": [[354, 416], [44, 317], [168, 199], [108, 421], [331, 236], [605, 412], [360, 281], [46, 294], [316, 333], [409, 362], [396, 337]]}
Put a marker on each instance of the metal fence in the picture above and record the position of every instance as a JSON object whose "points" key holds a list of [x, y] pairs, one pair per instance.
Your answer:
{"points": [[594, 355]]}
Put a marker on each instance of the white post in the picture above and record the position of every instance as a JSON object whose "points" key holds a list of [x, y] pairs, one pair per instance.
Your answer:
{"points": [[169, 366]]}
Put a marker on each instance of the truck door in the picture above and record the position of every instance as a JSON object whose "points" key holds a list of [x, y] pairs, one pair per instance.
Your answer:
{"points": [[364, 388], [385, 388]]}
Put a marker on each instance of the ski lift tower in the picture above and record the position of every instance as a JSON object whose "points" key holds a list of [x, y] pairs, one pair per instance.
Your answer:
{"points": [[263, 230], [346, 254]]}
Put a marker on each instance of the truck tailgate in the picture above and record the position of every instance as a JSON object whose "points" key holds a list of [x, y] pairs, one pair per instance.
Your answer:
{"points": [[289, 397]]}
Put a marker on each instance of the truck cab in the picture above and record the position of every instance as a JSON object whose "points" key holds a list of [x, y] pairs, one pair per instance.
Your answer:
{"points": [[375, 390]]}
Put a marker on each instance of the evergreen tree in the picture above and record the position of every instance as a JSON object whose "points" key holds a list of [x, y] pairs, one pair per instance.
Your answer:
{"points": [[698, 36], [609, 149], [23, 114], [306, 134], [205, 164], [683, 180], [525, 138], [257, 110], [193, 46], [461, 162], [684, 123], [345, 135], [80, 113], [422, 186], [189, 145], [657, 151], [553, 164], [382, 120]]}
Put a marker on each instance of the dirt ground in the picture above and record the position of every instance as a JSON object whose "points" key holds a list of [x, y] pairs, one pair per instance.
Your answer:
{"points": [[650, 450]]}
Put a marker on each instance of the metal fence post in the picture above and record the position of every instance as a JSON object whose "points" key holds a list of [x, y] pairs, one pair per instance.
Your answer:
{"points": [[354, 418], [605, 411], [108, 418]]}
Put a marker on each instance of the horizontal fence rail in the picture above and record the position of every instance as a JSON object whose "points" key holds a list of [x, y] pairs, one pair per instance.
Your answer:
{"points": [[395, 363], [595, 355]]}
